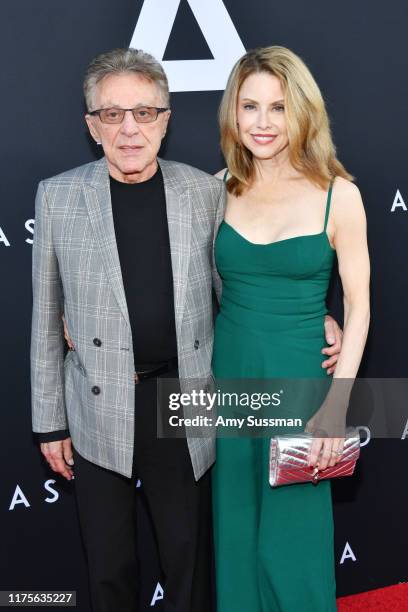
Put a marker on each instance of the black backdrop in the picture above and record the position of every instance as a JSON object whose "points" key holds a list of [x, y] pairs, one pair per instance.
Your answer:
{"points": [[358, 53]]}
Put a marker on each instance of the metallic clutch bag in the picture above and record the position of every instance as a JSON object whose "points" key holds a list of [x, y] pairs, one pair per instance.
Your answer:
{"points": [[288, 459]]}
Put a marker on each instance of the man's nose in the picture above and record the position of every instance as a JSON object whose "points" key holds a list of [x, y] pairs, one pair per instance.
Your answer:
{"points": [[129, 125]]}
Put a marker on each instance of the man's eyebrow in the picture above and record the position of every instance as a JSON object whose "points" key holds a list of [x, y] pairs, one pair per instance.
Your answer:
{"points": [[109, 104]]}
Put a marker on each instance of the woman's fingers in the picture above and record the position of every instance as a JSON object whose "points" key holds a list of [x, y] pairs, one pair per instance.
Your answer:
{"points": [[66, 335], [315, 450], [326, 453], [337, 450]]}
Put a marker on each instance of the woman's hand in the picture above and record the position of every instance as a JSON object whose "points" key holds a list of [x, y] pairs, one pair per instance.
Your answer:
{"points": [[328, 425], [66, 336], [325, 452], [334, 337]]}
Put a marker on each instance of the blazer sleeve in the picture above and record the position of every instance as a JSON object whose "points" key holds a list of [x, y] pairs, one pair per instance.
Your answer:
{"points": [[52, 436], [47, 339]]}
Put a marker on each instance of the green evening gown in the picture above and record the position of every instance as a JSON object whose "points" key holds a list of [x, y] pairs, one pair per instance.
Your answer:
{"points": [[274, 546]]}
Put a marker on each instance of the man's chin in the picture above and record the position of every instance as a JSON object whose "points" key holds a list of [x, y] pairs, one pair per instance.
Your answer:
{"points": [[132, 166], [132, 170]]}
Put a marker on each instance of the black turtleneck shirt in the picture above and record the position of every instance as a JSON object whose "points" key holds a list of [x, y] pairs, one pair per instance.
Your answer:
{"points": [[142, 236]]}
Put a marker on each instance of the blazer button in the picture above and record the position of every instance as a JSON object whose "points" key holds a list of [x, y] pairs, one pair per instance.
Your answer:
{"points": [[196, 344], [97, 342], [96, 390]]}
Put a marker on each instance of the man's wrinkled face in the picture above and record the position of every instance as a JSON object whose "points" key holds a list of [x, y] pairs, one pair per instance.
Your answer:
{"points": [[130, 148]]}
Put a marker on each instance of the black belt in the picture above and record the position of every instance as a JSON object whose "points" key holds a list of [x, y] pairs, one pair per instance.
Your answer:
{"points": [[156, 369]]}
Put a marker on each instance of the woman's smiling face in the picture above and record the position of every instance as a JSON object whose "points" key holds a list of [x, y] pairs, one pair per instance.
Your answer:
{"points": [[261, 116]]}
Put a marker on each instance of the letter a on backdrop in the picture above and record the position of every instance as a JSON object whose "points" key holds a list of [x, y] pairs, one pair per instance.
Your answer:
{"points": [[398, 202], [153, 31]]}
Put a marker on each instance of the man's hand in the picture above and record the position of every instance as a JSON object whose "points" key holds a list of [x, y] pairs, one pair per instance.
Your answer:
{"points": [[334, 337], [59, 456], [66, 336]]}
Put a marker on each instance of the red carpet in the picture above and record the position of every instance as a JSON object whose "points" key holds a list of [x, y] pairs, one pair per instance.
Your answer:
{"points": [[389, 599]]}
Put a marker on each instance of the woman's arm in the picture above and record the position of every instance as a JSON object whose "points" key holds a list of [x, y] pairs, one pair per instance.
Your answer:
{"points": [[350, 241], [348, 229]]}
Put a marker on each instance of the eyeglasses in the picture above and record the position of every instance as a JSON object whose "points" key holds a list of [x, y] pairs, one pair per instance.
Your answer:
{"points": [[141, 114]]}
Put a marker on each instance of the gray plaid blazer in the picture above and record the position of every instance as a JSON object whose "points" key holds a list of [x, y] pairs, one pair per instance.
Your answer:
{"points": [[76, 271]]}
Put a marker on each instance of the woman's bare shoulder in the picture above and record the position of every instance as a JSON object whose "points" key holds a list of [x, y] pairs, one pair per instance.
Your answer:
{"points": [[347, 200], [221, 174], [345, 189]]}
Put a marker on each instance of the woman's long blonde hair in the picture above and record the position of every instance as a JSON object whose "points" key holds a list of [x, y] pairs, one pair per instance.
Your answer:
{"points": [[311, 149]]}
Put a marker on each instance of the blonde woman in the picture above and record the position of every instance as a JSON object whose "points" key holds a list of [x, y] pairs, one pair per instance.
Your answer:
{"points": [[291, 209]]}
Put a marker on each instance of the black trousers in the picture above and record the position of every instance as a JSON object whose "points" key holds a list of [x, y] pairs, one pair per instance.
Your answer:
{"points": [[180, 511]]}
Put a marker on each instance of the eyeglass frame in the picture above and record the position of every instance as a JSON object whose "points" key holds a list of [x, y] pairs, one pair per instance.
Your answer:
{"points": [[158, 109]]}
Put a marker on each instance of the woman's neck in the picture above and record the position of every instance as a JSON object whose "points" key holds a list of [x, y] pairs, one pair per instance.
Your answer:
{"points": [[274, 170]]}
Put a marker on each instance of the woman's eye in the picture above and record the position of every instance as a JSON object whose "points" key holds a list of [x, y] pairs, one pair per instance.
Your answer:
{"points": [[280, 108], [249, 106]]}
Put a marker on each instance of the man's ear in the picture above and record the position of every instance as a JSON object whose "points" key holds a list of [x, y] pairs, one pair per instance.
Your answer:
{"points": [[91, 126]]}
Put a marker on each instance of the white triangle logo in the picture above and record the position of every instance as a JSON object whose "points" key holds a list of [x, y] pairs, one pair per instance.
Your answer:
{"points": [[153, 31]]}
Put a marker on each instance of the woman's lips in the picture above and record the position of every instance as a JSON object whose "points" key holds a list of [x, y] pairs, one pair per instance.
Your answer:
{"points": [[263, 139]]}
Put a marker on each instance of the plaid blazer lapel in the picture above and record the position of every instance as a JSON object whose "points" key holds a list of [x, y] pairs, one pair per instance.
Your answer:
{"points": [[178, 205], [99, 206]]}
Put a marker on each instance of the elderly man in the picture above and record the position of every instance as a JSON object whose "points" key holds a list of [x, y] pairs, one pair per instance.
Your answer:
{"points": [[124, 248]]}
